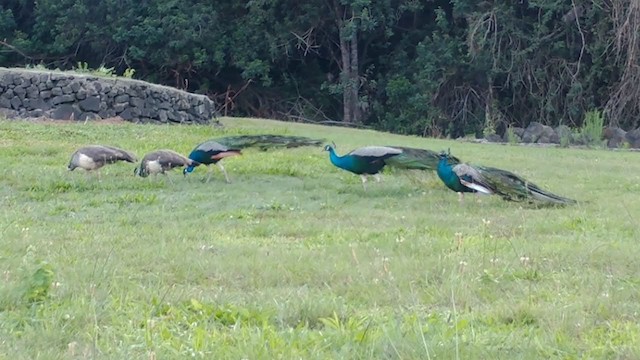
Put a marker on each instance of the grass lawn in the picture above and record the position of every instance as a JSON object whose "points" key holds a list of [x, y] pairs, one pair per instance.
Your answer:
{"points": [[293, 260]]}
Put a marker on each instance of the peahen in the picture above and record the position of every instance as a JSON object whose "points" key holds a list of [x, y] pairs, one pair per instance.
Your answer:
{"points": [[370, 160], [212, 151], [93, 157], [463, 178], [161, 161]]}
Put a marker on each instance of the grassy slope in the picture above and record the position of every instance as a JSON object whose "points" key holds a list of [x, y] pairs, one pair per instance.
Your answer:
{"points": [[294, 260]]}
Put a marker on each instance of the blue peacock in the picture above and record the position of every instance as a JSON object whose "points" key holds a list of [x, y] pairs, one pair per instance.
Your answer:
{"points": [[370, 160], [213, 151], [464, 178]]}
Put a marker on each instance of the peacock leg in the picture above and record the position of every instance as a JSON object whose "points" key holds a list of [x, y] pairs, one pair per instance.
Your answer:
{"points": [[378, 177], [224, 172], [364, 181], [209, 172], [167, 177], [461, 197]]}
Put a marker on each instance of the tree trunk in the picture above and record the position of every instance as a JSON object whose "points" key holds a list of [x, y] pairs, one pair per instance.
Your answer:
{"points": [[345, 76], [354, 79]]}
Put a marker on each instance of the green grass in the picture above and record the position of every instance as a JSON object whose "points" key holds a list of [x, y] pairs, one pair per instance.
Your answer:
{"points": [[293, 260]]}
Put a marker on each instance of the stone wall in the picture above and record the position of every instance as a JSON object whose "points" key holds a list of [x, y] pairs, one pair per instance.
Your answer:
{"points": [[58, 95]]}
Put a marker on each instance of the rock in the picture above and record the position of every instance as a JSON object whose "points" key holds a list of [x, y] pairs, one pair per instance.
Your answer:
{"points": [[65, 112], [518, 131], [564, 134], [33, 104], [62, 99], [8, 94], [107, 113], [33, 92], [4, 103], [75, 86], [6, 80], [548, 136], [121, 98], [20, 91], [91, 103], [137, 102], [633, 137], [162, 115], [126, 114], [7, 113], [494, 138], [533, 132], [119, 107], [16, 103], [615, 136], [35, 113], [81, 94]]}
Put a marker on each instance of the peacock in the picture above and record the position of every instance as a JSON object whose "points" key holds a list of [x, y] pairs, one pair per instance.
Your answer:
{"points": [[268, 141], [463, 178], [370, 160], [212, 151], [161, 161], [93, 157]]}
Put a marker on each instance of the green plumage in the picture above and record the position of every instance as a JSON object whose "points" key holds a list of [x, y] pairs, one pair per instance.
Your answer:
{"points": [[490, 180], [418, 159], [266, 141], [512, 187]]}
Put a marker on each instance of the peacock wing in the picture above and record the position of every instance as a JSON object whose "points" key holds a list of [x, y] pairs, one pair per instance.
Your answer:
{"points": [[375, 151], [212, 145], [473, 178]]}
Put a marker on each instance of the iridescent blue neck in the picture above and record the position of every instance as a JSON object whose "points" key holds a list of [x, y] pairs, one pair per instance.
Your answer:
{"points": [[339, 161]]}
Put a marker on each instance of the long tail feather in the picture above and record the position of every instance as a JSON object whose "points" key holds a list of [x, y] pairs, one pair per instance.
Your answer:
{"points": [[515, 188], [267, 141], [546, 196], [416, 159]]}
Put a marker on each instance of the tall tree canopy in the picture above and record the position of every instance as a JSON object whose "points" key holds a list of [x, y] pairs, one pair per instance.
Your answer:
{"points": [[424, 67]]}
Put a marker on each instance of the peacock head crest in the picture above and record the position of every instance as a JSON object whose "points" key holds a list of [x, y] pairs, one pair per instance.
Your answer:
{"points": [[445, 154], [330, 147]]}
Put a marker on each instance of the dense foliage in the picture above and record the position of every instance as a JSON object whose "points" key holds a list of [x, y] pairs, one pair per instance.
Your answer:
{"points": [[424, 67]]}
